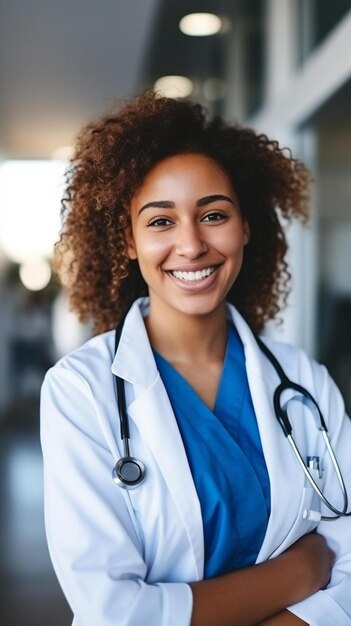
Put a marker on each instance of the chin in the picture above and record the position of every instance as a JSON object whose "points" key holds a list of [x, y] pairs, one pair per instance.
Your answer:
{"points": [[198, 309]]}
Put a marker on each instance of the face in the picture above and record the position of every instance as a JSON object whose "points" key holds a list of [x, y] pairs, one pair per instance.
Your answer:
{"points": [[187, 234]]}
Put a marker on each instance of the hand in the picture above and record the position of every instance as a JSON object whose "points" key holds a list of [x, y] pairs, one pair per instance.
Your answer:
{"points": [[314, 559]]}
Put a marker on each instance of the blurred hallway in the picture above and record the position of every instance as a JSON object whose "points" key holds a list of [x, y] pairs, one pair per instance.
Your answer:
{"points": [[29, 591]]}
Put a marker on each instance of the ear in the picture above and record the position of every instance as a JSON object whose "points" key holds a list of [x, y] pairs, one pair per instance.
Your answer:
{"points": [[247, 233], [131, 249]]}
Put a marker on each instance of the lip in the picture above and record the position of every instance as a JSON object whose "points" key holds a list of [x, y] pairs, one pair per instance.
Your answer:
{"points": [[195, 267], [194, 286]]}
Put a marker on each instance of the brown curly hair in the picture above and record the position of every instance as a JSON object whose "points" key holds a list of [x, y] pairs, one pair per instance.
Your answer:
{"points": [[113, 156]]}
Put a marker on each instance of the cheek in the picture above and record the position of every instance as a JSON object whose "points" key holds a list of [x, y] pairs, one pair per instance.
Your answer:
{"points": [[151, 249], [231, 243]]}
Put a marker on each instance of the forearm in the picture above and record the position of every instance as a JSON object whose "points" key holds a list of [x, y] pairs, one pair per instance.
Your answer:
{"points": [[249, 596]]}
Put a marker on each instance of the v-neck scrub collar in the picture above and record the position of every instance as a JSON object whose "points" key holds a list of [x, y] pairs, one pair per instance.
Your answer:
{"points": [[226, 460]]}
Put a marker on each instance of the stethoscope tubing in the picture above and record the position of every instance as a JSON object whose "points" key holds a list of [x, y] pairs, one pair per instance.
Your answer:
{"points": [[282, 416], [314, 485], [130, 472]]}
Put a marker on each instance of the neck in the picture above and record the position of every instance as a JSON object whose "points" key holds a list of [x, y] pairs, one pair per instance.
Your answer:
{"points": [[184, 338]]}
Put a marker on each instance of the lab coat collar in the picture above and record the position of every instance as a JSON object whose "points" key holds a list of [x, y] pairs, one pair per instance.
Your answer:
{"points": [[134, 342], [255, 360], [134, 360]]}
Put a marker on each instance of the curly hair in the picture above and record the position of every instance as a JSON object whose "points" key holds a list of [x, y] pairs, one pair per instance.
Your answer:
{"points": [[112, 158]]}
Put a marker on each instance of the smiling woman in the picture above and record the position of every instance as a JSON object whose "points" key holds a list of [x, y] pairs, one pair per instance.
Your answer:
{"points": [[187, 234], [171, 230], [112, 158]]}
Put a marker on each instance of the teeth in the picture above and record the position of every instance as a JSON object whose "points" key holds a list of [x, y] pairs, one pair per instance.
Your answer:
{"points": [[191, 276]]}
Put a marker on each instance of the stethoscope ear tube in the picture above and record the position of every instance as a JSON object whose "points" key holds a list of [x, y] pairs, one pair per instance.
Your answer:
{"points": [[282, 416]]}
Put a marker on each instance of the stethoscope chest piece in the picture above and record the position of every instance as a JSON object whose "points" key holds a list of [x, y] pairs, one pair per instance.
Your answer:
{"points": [[128, 472]]}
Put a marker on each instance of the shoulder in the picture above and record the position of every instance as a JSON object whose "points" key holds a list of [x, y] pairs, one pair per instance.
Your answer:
{"points": [[97, 354], [89, 360], [77, 394], [307, 372], [290, 354], [296, 363], [81, 382]]}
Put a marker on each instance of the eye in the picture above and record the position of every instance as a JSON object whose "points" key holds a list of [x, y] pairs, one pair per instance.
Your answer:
{"points": [[158, 222], [214, 216]]}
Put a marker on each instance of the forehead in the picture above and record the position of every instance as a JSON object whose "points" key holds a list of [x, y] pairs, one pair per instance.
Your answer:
{"points": [[185, 172]]}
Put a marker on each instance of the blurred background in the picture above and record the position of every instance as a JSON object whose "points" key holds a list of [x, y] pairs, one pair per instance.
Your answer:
{"points": [[281, 66]]}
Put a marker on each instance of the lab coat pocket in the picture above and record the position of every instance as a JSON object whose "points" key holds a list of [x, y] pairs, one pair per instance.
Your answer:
{"points": [[307, 518]]}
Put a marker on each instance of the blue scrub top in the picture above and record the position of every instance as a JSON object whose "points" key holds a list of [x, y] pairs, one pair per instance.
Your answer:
{"points": [[226, 460]]}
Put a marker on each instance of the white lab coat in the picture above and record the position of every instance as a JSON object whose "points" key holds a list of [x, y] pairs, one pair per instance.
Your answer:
{"points": [[124, 558]]}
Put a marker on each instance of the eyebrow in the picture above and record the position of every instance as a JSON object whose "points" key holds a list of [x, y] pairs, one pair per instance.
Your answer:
{"points": [[167, 204]]}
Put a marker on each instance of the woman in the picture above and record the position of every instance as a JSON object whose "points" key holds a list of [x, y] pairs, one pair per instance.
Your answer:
{"points": [[162, 202]]}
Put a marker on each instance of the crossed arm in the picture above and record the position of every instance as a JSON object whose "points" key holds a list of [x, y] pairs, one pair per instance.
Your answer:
{"points": [[259, 595]]}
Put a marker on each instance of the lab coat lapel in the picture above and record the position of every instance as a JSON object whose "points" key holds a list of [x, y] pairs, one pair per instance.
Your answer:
{"points": [[134, 360], [286, 481], [154, 417], [149, 408]]}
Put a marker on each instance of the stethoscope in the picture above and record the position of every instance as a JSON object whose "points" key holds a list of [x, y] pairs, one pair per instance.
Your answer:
{"points": [[130, 472]]}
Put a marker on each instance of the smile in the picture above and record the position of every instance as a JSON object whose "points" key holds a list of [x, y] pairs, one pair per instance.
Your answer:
{"points": [[193, 276]]}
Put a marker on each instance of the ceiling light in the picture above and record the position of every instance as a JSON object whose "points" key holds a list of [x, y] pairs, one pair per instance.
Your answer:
{"points": [[200, 24], [35, 274], [174, 86], [62, 153]]}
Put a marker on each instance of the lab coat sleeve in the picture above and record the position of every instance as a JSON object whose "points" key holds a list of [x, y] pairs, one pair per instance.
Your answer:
{"points": [[92, 541], [333, 604]]}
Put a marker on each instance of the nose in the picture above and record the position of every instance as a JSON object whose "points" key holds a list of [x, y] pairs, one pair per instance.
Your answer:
{"points": [[189, 241]]}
